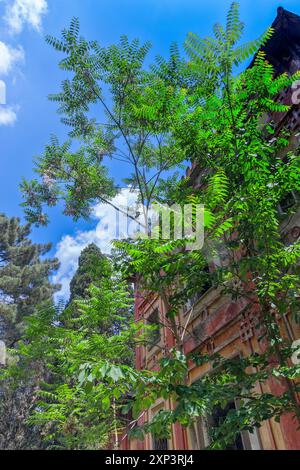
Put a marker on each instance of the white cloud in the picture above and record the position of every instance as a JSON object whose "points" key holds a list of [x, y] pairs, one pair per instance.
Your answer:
{"points": [[8, 116], [21, 12], [18, 13], [69, 248], [2, 92], [9, 56]]}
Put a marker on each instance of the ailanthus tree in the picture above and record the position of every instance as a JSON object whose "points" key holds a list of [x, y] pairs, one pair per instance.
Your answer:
{"points": [[134, 110], [199, 110], [43, 402], [89, 367], [93, 268], [244, 179]]}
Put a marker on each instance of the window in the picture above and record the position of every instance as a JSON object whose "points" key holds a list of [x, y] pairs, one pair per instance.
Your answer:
{"points": [[289, 201], [155, 335], [159, 444], [198, 436], [199, 432], [218, 417], [205, 286]]}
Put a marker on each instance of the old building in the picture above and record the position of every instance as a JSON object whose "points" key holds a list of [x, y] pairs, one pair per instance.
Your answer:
{"points": [[218, 323]]}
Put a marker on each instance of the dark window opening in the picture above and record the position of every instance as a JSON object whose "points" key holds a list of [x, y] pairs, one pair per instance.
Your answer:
{"points": [[153, 319], [288, 201], [218, 417], [207, 283], [159, 444], [205, 286]]}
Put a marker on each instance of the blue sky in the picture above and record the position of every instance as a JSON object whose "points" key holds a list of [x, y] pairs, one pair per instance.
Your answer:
{"points": [[29, 69]]}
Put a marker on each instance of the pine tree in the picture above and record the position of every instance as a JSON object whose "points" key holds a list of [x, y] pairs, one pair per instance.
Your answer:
{"points": [[24, 286], [24, 276], [93, 265]]}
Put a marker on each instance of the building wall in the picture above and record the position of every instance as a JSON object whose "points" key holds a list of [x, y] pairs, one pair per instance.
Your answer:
{"points": [[217, 325]]}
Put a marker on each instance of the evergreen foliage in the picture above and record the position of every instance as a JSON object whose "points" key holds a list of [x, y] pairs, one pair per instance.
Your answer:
{"points": [[24, 286], [93, 265], [24, 276]]}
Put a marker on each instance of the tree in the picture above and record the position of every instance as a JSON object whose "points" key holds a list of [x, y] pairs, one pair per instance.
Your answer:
{"points": [[93, 265], [135, 110], [201, 110], [79, 405], [17, 402], [24, 276], [94, 332], [245, 179], [24, 286], [93, 268]]}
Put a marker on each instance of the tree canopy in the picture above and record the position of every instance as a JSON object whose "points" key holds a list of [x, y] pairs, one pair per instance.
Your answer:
{"points": [[24, 275]]}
